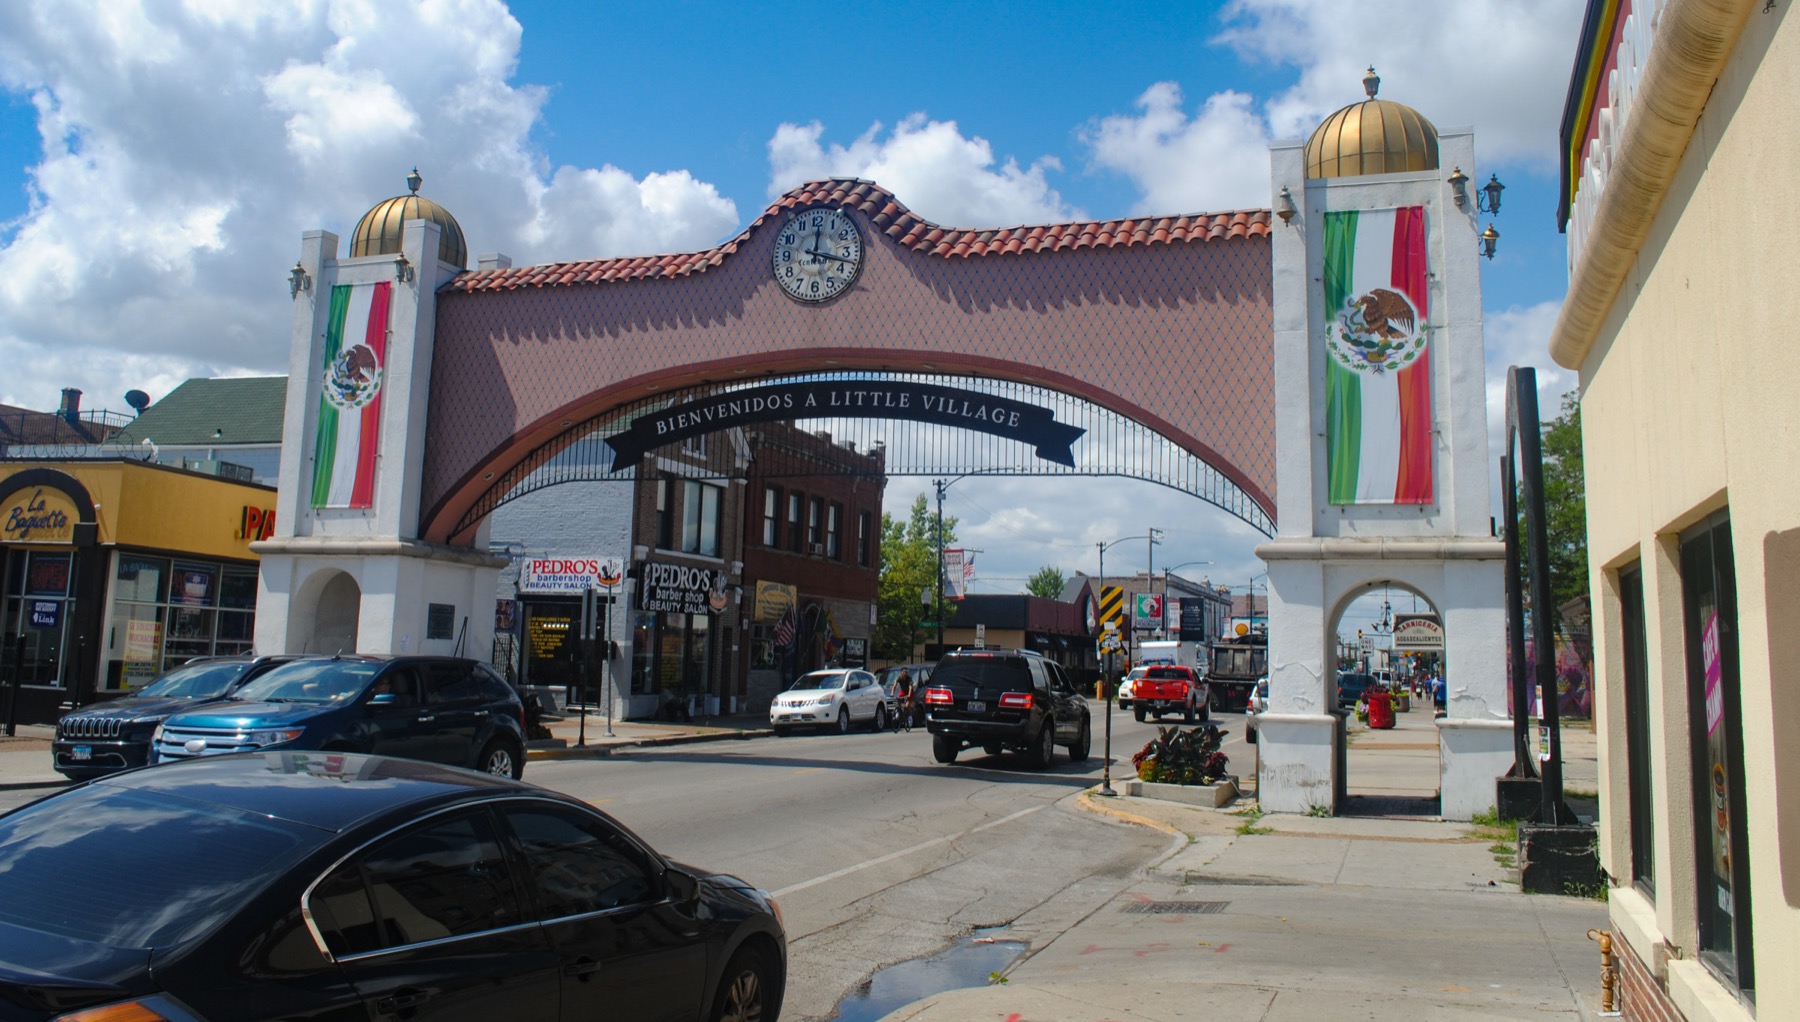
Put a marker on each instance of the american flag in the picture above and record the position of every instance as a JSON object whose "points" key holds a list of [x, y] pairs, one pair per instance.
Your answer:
{"points": [[968, 571], [784, 630]]}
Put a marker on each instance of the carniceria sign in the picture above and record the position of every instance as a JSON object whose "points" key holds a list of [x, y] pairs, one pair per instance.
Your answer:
{"points": [[1418, 632]]}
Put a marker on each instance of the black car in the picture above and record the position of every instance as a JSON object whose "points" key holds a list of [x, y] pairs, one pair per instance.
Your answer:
{"points": [[438, 708], [115, 735], [343, 887], [1004, 699], [1352, 686]]}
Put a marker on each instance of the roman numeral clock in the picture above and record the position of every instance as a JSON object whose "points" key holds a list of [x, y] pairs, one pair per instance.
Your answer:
{"points": [[818, 254]]}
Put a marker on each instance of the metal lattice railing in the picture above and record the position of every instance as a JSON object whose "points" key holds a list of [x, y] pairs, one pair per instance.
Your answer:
{"points": [[1113, 445]]}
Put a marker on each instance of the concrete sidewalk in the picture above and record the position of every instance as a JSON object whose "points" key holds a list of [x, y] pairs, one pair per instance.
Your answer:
{"points": [[1296, 919]]}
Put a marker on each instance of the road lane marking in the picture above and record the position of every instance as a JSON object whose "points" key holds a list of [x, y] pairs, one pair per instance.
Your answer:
{"points": [[891, 856], [808, 770]]}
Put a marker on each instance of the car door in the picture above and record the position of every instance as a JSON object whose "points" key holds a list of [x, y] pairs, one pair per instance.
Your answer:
{"points": [[429, 925], [866, 695], [453, 711], [625, 949], [398, 726], [1068, 721]]}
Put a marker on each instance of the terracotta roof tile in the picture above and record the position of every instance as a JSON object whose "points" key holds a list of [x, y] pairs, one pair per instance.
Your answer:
{"points": [[895, 221]]}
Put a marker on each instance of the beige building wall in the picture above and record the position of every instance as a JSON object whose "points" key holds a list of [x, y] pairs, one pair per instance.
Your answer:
{"points": [[1691, 404]]}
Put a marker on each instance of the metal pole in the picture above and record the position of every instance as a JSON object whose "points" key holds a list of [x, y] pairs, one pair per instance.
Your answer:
{"points": [[18, 675], [1106, 787], [587, 654], [606, 662], [938, 611], [1515, 624], [1531, 465]]}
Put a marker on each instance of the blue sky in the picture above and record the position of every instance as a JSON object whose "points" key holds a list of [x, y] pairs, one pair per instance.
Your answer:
{"points": [[158, 161]]}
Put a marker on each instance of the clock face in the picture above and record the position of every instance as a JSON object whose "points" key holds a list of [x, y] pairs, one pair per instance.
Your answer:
{"points": [[818, 254]]}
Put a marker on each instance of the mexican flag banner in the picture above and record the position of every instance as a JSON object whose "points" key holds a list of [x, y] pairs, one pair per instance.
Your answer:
{"points": [[350, 407], [1378, 367]]}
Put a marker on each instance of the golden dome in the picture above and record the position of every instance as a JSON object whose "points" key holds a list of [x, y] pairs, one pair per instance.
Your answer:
{"points": [[378, 232], [1376, 136]]}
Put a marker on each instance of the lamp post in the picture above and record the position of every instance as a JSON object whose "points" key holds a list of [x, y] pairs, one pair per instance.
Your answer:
{"points": [[1106, 787]]}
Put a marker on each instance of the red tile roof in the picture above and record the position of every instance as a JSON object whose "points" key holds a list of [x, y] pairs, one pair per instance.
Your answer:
{"points": [[897, 222]]}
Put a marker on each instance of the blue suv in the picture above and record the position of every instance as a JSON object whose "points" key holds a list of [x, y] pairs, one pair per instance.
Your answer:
{"points": [[435, 708]]}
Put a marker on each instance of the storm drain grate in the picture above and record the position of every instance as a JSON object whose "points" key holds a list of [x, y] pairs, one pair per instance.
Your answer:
{"points": [[1174, 908]]}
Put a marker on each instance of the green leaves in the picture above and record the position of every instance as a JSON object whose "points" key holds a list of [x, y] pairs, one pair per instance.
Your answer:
{"points": [[1048, 582], [909, 566]]}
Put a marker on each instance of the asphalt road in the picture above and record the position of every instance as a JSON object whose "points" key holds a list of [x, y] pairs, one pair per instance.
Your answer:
{"points": [[877, 853]]}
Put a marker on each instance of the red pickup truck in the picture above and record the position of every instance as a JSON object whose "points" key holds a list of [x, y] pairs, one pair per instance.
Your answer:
{"points": [[1168, 689]]}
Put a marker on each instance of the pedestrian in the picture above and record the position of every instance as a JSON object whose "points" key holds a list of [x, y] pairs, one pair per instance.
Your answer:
{"points": [[903, 700]]}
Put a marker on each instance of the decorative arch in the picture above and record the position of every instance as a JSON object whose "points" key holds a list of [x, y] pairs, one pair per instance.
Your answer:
{"points": [[324, 613]]}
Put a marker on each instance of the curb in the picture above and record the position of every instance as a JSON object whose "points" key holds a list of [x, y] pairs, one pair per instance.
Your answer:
{"points": [[602, 751]]}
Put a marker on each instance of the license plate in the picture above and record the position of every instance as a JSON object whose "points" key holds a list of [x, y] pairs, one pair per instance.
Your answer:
{"points": [[81, 752], [977, 707]]}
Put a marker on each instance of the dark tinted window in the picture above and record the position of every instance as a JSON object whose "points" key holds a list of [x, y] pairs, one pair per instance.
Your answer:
{"points": [[445, 879], [1001, 673], [126, 868], [312, 681], [578, 863], [450, 683], [198, 681], [491, 686]]}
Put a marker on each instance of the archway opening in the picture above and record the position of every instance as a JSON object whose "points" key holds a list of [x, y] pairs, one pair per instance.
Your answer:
{"points": [[326, 614], [1389, 665]]}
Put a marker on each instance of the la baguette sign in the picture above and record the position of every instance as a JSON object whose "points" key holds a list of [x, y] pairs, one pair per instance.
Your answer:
{"points": [[878, 399]]}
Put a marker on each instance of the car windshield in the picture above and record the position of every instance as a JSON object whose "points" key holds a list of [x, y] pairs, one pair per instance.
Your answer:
{"points": [[60, 861], [311, 681], [818, 681], [196, 681]]}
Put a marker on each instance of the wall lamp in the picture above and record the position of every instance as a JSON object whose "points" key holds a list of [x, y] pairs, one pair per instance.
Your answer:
{"points": [[1490, 240], [403, 270], [298, 280], [1487, 199], [1285, 209]]}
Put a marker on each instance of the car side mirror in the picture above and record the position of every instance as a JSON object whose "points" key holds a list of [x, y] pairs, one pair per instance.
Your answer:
{"points": [[683, 887], [383, 699]]}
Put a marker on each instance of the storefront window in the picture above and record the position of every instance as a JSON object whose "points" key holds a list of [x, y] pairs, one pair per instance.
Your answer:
{"points": [[1709, 620], [37, 590], [671, 656], [1638, 748], [167, 612]]}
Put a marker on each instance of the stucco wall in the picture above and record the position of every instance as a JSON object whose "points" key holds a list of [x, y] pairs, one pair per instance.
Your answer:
{"points": [[1691, 403]]}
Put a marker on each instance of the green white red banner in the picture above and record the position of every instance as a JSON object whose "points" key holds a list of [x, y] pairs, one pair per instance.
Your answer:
{"points": [[1378, 362], [350, 405]]}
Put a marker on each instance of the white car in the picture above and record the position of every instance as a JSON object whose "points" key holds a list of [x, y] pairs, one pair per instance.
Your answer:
{"points": [[834, 698], [1259, 703]]}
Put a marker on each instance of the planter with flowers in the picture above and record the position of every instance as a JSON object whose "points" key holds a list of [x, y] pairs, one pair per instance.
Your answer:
{"points": [[1184, 765]]}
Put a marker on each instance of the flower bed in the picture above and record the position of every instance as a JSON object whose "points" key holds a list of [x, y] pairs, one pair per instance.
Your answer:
{"points": [[1182, 756]]}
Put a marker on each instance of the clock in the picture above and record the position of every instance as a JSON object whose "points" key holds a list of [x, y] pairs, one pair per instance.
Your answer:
{"points": [[818, 254]]}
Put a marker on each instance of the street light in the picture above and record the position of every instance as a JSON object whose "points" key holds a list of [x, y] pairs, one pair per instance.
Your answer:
{"points": [[941, 485], [1106, 787]]}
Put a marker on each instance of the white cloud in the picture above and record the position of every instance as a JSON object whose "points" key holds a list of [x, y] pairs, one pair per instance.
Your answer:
{"points": [[1216, 160], [1520, 336], [186, 147], [940, 175], [1499, 65]]}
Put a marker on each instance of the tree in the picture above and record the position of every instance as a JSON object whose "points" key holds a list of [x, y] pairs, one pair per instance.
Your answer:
{"points": [[909, 566], [1048, 582], [1565, 505]]}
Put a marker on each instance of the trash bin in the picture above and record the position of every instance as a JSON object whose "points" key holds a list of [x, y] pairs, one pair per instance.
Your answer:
{"points": [[1381, 709]]}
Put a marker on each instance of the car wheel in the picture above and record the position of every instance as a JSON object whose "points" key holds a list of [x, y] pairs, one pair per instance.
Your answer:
{"points": [[780, 731], [1045, 749], [1187, 715], [1078, 752], [881, 718], [1139, 714], [1250, 735], [993, 748], [747, 990], [502, 760], [843, 721], [944, 748]]}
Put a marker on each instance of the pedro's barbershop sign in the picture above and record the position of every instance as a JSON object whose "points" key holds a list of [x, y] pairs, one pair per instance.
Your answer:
{"points": [[874, 399]]}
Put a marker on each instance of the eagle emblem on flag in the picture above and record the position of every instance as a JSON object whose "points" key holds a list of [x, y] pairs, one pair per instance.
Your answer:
{"points": [[354, 377], [1376, 332]]}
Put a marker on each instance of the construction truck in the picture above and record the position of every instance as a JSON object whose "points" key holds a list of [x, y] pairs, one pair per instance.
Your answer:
{"points": [[1235, 665]]}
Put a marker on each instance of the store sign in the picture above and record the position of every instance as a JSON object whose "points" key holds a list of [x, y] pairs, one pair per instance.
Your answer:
{"points": [[46, 613], [1193, 620], [1418, 632], [38, 515], [570, 576], [258, 523], [774, 600], [865, 399], [678, 588], [1146, 611]]}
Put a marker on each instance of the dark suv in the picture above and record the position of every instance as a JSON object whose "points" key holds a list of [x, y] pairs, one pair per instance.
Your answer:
{"points": [[1004, 699], [435, 708], [115, 735]]}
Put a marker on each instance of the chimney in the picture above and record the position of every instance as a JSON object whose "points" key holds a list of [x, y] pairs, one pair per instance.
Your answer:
{"points": [[71, 406]]}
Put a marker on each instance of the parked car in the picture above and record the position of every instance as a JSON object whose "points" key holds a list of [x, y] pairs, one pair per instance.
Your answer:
{"points": [[115, 735], [916, 677], [838, 698], [1259, 704], [1005, 699], [1352, 686], [1164, 688], [436, 708], [1128, 688], [315, 885]]}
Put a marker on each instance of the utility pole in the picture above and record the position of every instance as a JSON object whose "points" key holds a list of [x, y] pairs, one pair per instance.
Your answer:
{"points": [[939, 609]]}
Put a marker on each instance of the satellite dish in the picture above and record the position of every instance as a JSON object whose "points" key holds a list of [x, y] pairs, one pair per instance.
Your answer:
{"points": [[137, 399]]}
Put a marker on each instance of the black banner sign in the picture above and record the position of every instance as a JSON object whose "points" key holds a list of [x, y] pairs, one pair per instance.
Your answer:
{"points": [[876, 399], [1193, 620]]}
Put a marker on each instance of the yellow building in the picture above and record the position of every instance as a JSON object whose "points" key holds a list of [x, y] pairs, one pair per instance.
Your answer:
{"points": [[1680, 123], [113, 569]]}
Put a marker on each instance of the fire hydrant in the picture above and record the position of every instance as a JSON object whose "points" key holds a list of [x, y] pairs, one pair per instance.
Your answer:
{"points": [[1381, 708]]}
